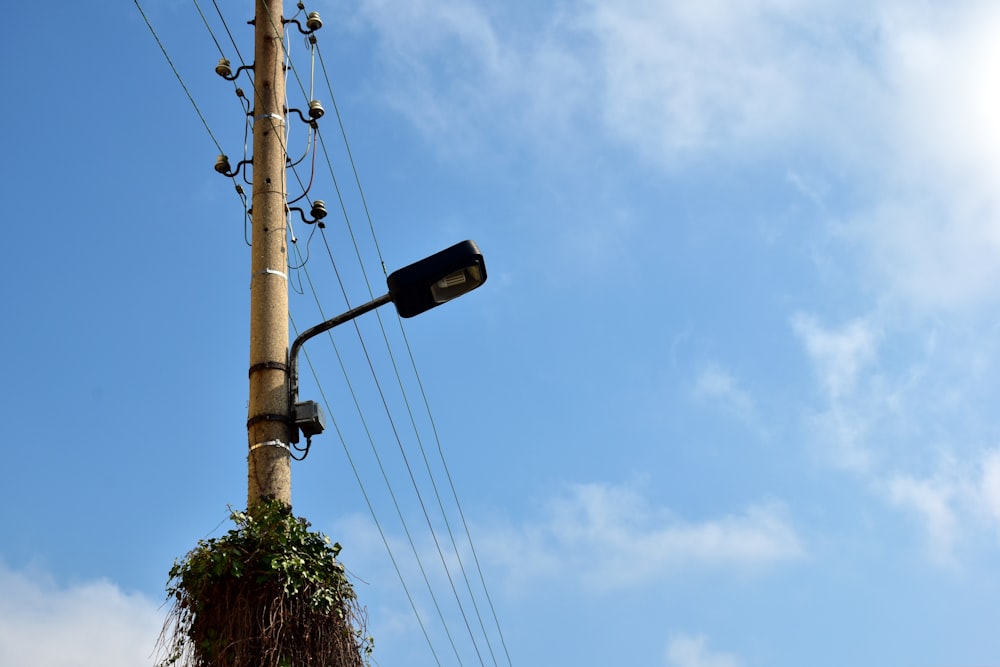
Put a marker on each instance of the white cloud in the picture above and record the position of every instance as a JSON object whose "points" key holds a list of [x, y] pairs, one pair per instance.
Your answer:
{"points": [[608, 537], [932, 501], [679, 78], [841, 435], [841, 358], [716, 384], [93, 624], [602, 537], [899, 102], [840, 355], [454, 76], [692, 651], [898, 98], [989, 485], [670, 80], [907, 413], [932, 228], [956, 503]]}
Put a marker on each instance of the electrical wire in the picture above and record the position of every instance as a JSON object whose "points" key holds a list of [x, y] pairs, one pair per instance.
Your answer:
{"points": [[454, 493], [406, 461], [312, 167], [371, 508], [302, 263], [226, 26], [178, 75], [385, 477], [288, 57], [239, 190], [239, 92], [399, 379], [205, 21], [434, 485], [350, 156], [292, 68], [246, 214], [423, 393]]}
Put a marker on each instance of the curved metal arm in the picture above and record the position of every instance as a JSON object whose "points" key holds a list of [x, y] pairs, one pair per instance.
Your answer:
{"points": [[235, 75], [318, 212], [313, 23], [222, 166], [293, 351], [311, 122]]}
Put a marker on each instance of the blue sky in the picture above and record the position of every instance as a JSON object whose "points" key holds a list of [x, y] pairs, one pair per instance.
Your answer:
{"points": [[726, 400]]}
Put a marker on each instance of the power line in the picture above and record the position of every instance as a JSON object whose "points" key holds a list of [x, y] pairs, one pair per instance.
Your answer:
{"points": [[461, 513], [350, 156], [423, 393], [406, 461], [288, 56], [427, 405], [239, 189], [205, 21], [226, 26], [178, 75], [388, 484], [371, 510], [430, 473], [321, 143]]}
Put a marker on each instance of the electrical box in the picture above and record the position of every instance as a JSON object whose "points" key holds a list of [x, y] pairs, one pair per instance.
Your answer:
{"points": [[309, 418]]}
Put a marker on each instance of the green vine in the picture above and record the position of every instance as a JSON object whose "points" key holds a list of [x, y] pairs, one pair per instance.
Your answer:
{"points": [[270, 592]]}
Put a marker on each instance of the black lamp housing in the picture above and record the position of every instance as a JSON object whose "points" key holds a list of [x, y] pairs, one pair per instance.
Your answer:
{"points": [[437, 279], [413, 289]]}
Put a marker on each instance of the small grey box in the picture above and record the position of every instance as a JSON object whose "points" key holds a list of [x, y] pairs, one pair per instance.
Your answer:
{"points": [[309, 418]]}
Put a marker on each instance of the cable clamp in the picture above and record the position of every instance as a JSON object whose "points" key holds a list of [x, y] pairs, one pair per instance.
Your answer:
{"points": [[273, 116], [268, 365], [265, 272], [271, 443], [272, 272], [269, 417]]}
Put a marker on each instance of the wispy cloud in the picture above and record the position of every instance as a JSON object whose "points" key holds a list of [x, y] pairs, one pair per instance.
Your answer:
{"points": [[608, 537], [839, 356], [458, 73], [932, 501], [719, 388], [693, 651], [715, 383], [897, 99], [680, 80], [93, 624], [604, 537], [668, 79], [955, 504], [907, 421], [931, 228], [885, 93]]}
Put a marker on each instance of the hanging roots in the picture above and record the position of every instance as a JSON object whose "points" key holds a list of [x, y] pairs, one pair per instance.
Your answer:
{"points": [[270, 593]]}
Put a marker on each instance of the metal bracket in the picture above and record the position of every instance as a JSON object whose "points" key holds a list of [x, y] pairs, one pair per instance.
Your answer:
{"points": [[269, 417], [271, 443], [268, 366]]}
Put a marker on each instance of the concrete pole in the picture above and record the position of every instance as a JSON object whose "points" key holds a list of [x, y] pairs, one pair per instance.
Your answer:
{"points": [[268, 426]]}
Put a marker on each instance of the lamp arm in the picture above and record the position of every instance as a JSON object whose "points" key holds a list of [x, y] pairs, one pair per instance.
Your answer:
{"points": [[293, 352]]}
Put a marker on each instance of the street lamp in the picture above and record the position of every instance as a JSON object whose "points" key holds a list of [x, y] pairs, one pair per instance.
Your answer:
{"points": [[413, 289]]}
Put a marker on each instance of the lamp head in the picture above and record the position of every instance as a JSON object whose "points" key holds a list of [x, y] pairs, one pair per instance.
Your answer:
{"points": [[437, 279]]}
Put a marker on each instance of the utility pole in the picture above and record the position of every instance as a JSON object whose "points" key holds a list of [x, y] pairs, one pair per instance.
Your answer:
{"points": [[269, 423]]}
